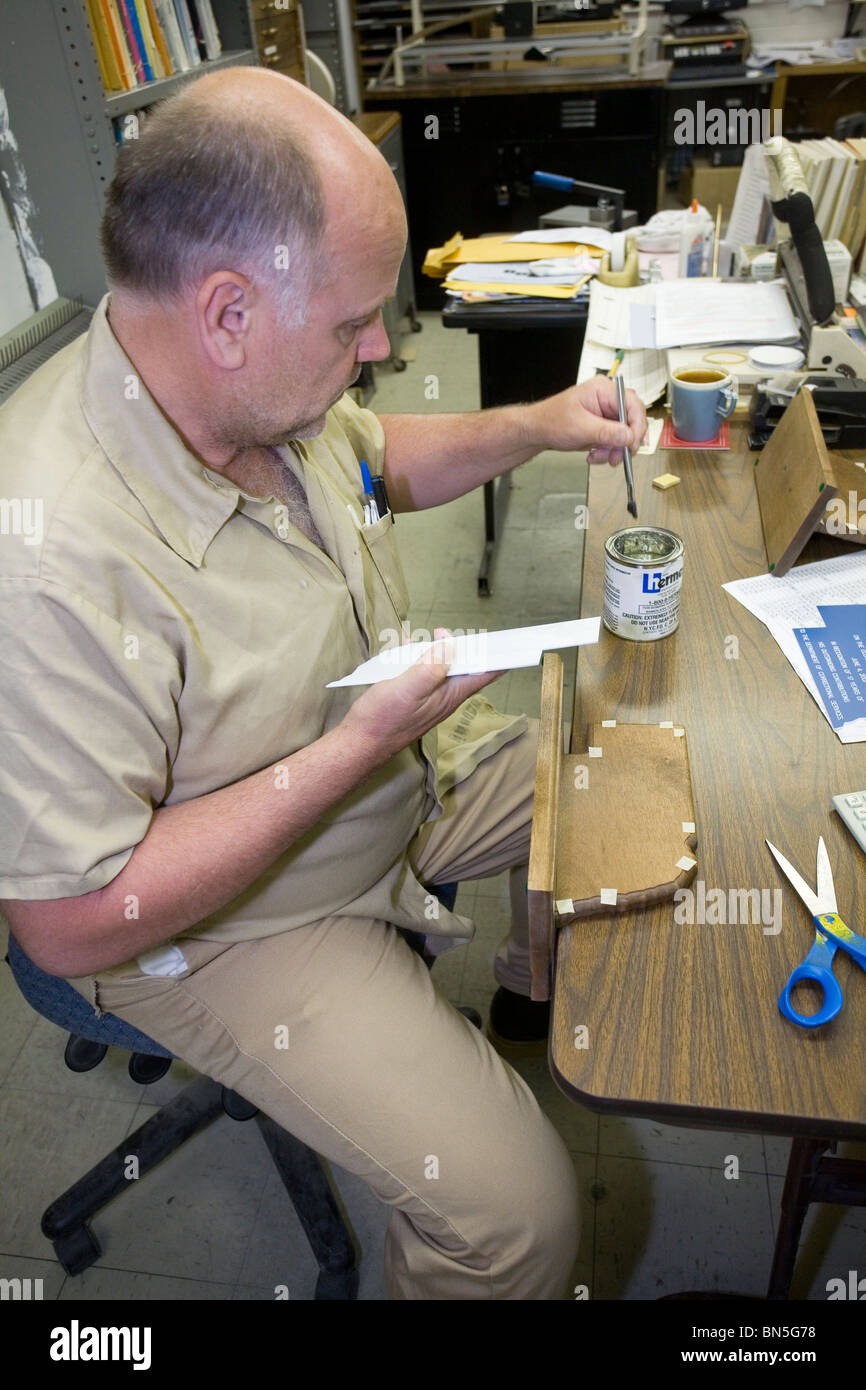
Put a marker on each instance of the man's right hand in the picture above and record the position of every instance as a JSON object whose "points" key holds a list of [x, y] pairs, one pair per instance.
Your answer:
{"points": [[394, 713]]}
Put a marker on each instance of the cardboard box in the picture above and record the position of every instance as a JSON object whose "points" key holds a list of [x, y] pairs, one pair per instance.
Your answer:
{"points": [[710, 186]]}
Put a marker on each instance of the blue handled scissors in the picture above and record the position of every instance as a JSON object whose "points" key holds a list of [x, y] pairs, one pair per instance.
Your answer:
{"points": [[830, 932]]}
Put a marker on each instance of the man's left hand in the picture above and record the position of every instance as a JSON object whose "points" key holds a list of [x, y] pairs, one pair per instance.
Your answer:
{"points": [[587, 417]]}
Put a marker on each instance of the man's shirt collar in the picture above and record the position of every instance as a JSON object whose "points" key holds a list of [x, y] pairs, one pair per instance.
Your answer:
{"points": [[187, 503]]}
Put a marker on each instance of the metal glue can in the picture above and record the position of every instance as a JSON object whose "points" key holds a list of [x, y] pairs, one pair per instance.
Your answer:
{"points": [[643, 571]]}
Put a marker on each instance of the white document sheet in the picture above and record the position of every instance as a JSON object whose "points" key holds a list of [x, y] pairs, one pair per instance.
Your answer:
{"points": [[610, 318], [480, 651], [564, 236], [753, 187], [716, 311], [642, 370], [563, 270], [653, 435], [792, 601]]}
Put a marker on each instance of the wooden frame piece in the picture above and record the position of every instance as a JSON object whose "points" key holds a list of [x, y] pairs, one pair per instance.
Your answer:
{"points": [[545, 814], [593, 852], [797, 478]]}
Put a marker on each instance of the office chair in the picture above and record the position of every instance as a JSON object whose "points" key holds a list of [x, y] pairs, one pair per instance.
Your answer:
{"points": [[302, 1171]]}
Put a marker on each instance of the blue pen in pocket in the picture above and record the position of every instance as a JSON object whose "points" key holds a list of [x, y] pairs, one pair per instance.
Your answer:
{"points": [[375, 494], [370, 511]]}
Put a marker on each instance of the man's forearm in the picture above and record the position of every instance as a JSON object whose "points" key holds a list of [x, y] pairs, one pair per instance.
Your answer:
{"points": [[195, 858], [431, 459]]}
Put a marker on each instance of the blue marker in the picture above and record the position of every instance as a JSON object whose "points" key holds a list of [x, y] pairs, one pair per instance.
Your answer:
{"points": [[366, 480]]}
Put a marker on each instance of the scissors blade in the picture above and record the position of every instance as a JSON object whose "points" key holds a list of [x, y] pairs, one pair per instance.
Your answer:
{"points": [[799, 883], [826, 891]]}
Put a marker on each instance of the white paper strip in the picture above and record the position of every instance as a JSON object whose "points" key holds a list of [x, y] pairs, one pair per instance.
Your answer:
{"points": [[481, 651]]}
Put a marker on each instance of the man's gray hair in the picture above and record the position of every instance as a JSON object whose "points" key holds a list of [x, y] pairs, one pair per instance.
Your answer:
{"points": [[205, 189]]}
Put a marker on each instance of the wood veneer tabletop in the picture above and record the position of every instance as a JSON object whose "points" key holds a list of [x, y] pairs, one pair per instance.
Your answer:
{"points": [[683, 1021]]}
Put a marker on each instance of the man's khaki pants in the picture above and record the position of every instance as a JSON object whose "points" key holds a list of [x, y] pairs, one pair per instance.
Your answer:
{"points": [[382, 1075]]}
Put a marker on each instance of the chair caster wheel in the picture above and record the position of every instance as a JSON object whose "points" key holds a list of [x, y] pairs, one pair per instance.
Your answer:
{"points": [[77, 1250], [83, 1055], [145, 1068], [236, 1107], [398, 364]]}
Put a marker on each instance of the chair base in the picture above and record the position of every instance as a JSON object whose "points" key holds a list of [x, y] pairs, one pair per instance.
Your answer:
{"points": [[202, 1102]]}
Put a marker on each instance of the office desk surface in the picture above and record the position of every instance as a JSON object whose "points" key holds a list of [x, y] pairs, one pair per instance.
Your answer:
{"points": [[683, 1019]]}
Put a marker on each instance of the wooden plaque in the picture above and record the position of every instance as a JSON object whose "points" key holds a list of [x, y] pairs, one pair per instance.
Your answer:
{"points": [[613, 828], [796, 478]]}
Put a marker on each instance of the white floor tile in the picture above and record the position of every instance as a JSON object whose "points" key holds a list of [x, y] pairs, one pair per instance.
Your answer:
{"points": [[664, 1228], [46, 1277], [623, 1136]]}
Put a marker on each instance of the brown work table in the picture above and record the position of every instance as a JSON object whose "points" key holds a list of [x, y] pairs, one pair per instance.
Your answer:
{"points": [[684, 1018], [683, 1021]]}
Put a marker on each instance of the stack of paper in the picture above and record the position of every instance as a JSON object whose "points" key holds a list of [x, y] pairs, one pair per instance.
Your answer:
{"points": [[610, 326], [547, 264], [713, 311], [817, 614]]}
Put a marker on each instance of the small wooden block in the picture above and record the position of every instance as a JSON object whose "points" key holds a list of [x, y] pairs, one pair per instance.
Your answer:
{"points": [[665, 480]]}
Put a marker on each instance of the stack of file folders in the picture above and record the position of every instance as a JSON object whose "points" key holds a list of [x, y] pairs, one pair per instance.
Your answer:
{"points": [[544, 264]]}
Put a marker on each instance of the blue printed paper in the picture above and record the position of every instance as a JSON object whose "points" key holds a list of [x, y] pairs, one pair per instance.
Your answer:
{"points": [[836, 656]]}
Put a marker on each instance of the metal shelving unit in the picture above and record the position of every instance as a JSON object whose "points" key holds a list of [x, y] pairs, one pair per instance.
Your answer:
{"points": [[61, 120]]}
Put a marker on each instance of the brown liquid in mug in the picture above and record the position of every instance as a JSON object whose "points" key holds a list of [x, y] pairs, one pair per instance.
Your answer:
{"points": [[700, 378]]}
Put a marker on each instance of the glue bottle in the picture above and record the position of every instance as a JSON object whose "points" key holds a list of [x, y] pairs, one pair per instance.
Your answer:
{"points": [[692, 241]]}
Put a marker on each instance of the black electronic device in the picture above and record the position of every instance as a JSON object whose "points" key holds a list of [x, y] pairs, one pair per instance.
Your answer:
{"points": [[518, 18], [698, 44], [839, 400], [704, 7]]}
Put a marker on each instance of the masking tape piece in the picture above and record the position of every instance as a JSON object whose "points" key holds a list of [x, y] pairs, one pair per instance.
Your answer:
{"points": [[564, 905], [608, 897], [666, 724], [665, 480], [678, 733], [593, 752], [688, 827], [686, 863], [608, 723]]}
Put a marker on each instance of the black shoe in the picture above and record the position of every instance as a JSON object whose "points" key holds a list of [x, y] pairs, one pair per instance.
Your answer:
{"points": [[518, 1026], [472, 1014]]}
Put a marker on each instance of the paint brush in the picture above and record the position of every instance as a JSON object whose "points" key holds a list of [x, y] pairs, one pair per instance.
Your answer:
{"points": [[626, 454]]}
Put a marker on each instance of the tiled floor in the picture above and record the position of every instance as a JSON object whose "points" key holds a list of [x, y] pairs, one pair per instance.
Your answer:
{"points": [[213, 1222]]}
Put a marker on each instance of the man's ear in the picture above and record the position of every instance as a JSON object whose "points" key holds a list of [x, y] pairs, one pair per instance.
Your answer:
{"points": [[224, 314]]}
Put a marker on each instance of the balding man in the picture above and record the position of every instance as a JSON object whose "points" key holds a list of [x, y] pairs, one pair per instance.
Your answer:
{"points": [[194, 830]]}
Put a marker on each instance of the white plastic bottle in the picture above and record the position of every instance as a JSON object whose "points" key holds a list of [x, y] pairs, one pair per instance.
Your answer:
{"points": [[692, 241]]}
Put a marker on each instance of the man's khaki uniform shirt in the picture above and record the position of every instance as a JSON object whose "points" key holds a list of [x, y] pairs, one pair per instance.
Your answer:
{"points": [[162, 635]]}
